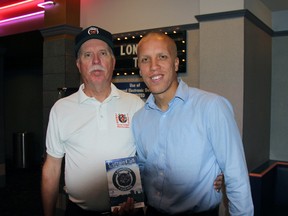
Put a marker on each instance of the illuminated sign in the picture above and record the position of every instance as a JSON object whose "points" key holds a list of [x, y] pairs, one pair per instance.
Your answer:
{"points": [[19, 10], [126, 51]]}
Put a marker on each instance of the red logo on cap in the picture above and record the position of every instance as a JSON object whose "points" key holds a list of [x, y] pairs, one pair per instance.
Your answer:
{"points": [[93, 30]]}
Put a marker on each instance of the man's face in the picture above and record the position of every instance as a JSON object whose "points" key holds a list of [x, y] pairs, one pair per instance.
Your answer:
{"points": [[158, 64], [96, 63]]}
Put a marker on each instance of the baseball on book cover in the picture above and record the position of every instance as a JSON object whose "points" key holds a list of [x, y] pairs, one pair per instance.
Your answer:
{"points": [[124, 181]]}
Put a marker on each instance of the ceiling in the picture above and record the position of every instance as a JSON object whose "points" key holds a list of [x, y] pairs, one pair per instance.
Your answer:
{"points": [[276, 5], [273, 5]]}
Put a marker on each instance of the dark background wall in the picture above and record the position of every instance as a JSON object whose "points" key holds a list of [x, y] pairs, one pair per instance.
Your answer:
{"points": [[22, 92], [2, 149]]}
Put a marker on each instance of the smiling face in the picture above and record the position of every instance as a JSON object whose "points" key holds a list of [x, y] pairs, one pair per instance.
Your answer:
{"points": [[96, 63], [158, 64]]}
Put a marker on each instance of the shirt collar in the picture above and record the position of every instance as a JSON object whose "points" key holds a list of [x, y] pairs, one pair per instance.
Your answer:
{"points": [[181, 93], [83, 97]]}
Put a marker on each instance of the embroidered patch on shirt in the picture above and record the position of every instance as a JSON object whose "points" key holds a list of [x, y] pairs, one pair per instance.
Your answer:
{"points": [[122, 120]]}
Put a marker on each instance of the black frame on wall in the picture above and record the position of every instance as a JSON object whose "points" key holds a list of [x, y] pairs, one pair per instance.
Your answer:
{"points": [[125, 48]]}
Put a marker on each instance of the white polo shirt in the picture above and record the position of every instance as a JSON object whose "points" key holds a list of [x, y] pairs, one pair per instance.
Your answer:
{"points": [[89, 132]]}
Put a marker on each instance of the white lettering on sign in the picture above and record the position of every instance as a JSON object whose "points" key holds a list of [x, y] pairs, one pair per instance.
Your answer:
{"points": [[135, 61], [130, 49]]}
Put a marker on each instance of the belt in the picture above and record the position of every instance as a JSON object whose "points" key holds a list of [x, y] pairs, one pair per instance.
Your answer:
{"points": [[151, 211], [73, 209]]}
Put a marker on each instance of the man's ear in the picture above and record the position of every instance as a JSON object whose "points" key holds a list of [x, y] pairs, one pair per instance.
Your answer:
{"points": [[78, 64], [176, 64], [140, 73]]}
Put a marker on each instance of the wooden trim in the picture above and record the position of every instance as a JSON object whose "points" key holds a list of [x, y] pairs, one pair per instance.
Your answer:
{"points": [[280, 33], [235, 14], [268, 169]]}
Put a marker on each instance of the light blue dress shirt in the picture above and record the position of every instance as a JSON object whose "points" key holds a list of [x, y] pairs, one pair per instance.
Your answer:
{"points": [[182, 150]]}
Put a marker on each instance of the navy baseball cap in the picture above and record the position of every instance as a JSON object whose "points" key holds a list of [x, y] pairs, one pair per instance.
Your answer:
{"points": [[93, 32]]}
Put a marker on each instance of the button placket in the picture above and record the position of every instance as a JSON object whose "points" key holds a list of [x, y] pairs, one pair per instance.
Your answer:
{"points": [[102, 116]]}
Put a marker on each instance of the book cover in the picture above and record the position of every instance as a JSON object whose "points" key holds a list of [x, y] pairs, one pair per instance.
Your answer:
{"points": [[124, 181]]}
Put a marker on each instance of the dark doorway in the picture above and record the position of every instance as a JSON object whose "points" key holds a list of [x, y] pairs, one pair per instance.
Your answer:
{"points": [[22, 75]]}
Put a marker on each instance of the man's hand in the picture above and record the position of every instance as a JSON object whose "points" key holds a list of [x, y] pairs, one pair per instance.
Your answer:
{"points": [[127, 208], [219, 182]]}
